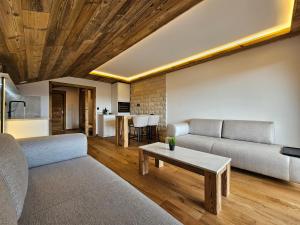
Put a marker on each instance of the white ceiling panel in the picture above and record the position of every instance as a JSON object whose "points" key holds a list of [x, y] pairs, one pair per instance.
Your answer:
{"points": [[209, 24]]}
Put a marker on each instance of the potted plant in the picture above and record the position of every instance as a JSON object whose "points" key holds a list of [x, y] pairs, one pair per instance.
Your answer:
{"points": [[105, 111], [172, 143]]}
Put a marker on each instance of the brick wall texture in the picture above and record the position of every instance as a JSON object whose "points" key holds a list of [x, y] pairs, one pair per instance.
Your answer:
{"points": [[151, 95]]}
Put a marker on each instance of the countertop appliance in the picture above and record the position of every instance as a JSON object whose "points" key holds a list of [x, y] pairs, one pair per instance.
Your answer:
{"points": [[123, 107]]}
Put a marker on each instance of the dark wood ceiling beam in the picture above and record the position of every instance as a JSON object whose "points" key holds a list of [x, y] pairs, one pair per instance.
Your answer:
{"points": [[296, 17], [35, 23], [63, 15], [11, 26], [9, 60], [37, 5], [88, 33], [67, 54]]}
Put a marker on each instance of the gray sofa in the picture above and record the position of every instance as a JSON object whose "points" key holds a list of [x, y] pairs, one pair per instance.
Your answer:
{"points": [[250, 145], [52, 180]]}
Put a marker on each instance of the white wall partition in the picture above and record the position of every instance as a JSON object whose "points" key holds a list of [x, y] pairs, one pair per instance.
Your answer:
{"points": [[258, 84], [41, 88]]}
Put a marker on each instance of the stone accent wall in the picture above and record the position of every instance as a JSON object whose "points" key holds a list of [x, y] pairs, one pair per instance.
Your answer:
{"points": [[150, 94]]}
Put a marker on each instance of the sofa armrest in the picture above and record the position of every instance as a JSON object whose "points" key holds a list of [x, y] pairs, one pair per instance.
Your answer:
{"points": [[46, 150], [294, 169], [178, 129]]}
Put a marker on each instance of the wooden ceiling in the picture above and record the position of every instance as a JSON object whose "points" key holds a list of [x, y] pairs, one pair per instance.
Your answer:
{"points": [[45, 39], [296, 17]]}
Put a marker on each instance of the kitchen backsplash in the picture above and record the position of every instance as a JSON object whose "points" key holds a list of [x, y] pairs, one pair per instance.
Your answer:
{"points": [[32, 110]]}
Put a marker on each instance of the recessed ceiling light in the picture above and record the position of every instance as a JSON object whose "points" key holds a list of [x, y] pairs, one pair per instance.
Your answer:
{"points": [[266, 34], [23, 82]]}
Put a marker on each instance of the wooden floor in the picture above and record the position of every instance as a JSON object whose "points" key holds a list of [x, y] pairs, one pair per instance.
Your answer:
{"points": [[67, 131], [254, 199]]}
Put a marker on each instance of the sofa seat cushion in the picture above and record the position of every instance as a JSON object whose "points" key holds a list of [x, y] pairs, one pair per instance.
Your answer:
{"points": [[261, 158], [13, 170], [8, 214], [83, 191], [196, 142], [206, 127]]}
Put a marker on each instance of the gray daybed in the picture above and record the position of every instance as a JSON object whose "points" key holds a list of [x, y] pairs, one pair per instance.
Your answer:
{"points": [[52, 180]]}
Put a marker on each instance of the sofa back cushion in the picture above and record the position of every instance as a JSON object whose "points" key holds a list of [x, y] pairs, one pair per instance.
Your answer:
{"points": [[13, 170], [253, 131], [40, 151], [8, 213], [206, 127]]}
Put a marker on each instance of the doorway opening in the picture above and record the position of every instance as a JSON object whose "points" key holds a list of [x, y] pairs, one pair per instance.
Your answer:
{"points": [[72, 109]]}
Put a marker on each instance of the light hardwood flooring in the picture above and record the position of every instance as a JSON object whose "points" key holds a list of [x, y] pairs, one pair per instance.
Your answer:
{"points": [[254, 199]]}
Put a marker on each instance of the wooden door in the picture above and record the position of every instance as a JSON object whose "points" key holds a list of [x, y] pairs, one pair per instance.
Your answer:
{"points": [[58, 111]]}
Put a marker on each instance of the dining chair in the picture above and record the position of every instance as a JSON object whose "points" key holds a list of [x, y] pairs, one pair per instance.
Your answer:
{"points": [[153, 122], [140, 122]]}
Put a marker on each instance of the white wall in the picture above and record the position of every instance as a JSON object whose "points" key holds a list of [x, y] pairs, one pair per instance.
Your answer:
{"points": [[41, 88], [258, 84]]}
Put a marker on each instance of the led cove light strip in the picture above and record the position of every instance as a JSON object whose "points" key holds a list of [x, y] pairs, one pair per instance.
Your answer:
{"points": [[246, 41]]}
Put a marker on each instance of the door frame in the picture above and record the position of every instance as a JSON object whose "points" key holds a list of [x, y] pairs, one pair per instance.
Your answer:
{"points": [[53, 84], [65, 107], [82, 111]]}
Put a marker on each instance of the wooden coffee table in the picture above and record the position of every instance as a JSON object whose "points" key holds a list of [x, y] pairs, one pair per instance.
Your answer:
{"points": [[214, 168]]}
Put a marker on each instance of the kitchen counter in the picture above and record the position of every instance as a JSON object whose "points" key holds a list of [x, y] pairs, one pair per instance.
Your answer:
{"points": [[22, 119], [107, 125], [28, 127]]}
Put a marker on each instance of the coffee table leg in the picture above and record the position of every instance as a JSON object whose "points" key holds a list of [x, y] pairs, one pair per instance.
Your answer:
{"points": [[226, 181], [143, 163], [158, 163], [212, 192]]}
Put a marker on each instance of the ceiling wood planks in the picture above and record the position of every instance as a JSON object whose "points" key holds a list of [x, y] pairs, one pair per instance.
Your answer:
{"points": [[296, 17], [12, 31], [43, 39], [123, 36], [35, 29], [63, 16]]}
